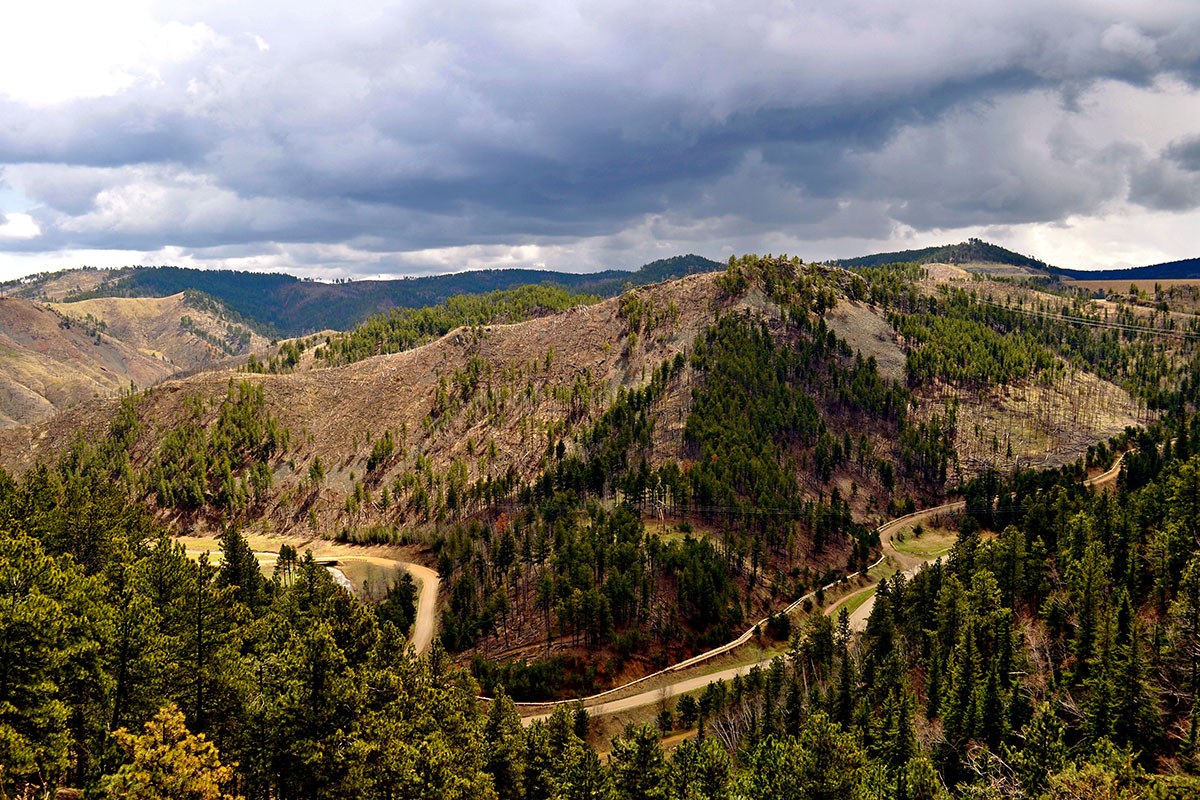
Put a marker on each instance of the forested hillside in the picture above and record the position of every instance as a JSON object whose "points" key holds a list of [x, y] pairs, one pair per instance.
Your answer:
{"points": [[290, 306], [606, 491], [970, 251], [1057, 659], [1171, 270], [835, 436]]}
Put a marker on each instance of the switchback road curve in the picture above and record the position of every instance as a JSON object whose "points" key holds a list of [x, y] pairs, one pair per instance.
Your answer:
{"points": [[606, 703]]}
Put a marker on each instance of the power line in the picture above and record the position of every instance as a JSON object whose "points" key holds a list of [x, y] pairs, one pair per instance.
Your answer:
{"points": [[1095, 323]]}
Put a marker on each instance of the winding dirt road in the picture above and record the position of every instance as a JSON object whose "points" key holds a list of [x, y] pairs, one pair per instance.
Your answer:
{"points": [[910, 564], [427, 579], [426, 624], [601, 704]]}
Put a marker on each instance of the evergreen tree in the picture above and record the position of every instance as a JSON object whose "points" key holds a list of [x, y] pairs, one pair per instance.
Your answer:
{"points": [[167, 762], [640, 771]]}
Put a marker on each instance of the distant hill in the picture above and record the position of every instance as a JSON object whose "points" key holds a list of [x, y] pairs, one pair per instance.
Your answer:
{"points": [[970, 251], [978, 251], [290, 306], [1172, 270], [54, 355]]}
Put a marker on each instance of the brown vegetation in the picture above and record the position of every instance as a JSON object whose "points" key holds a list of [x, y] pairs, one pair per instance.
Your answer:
{"points": [[56, 355]]}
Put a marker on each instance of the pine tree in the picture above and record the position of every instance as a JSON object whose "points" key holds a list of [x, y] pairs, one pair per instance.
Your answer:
{"points": [[240, 572], [1043, 752], [34, 739], [701, 770], [506, 748], [168, 762], [639, 769], [1185, 616]]}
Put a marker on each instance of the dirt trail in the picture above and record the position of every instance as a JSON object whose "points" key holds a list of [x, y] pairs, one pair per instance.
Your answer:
{"points": [[598, 704], [426, 624], [908, 564]]}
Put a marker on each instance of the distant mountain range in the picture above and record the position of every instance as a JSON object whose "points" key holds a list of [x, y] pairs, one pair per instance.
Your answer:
{"points": [[284, 305], [289, 306], [1171, 270]]}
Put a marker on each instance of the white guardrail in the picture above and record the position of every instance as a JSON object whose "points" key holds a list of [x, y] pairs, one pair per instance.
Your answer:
{"points": [[749, 634]]}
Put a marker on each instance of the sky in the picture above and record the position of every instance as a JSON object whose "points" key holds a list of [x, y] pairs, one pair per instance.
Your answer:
{"points": [[362, 139]]}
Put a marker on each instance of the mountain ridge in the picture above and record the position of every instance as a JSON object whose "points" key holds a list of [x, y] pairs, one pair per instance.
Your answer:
{"points": [[977, 251], [291, 306], [1169, 270]]}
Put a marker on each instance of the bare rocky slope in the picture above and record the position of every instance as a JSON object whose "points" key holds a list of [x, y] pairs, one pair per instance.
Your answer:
{"points": [[527, 377]]}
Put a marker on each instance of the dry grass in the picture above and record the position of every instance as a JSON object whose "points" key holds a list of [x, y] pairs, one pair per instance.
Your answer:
{"points": [[52, 357], [152, 325], [944, 273], [989, 269], [509, 421], [670, 528], [68, 282], [48, 364]]}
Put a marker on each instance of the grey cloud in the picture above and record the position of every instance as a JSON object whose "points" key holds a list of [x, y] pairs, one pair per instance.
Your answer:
{"points": [[430, 125], [1186, 153], [1171, 181]]}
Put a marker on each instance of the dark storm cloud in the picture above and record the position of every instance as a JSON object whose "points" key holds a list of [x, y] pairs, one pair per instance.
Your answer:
{"points": [[431, 125], [1186, 153], [1170, 182]]}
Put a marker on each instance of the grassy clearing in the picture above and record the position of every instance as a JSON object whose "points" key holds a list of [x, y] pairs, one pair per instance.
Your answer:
{"points": [[931, 543], [671, 531], [885, 570], [369, 579], [266, 562]]}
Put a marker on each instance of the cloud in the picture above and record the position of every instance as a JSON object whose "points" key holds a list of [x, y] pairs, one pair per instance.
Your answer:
{"points": [[1186, 153], [55, 52], [17, 227], [1171, 181], [391, 136]]}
